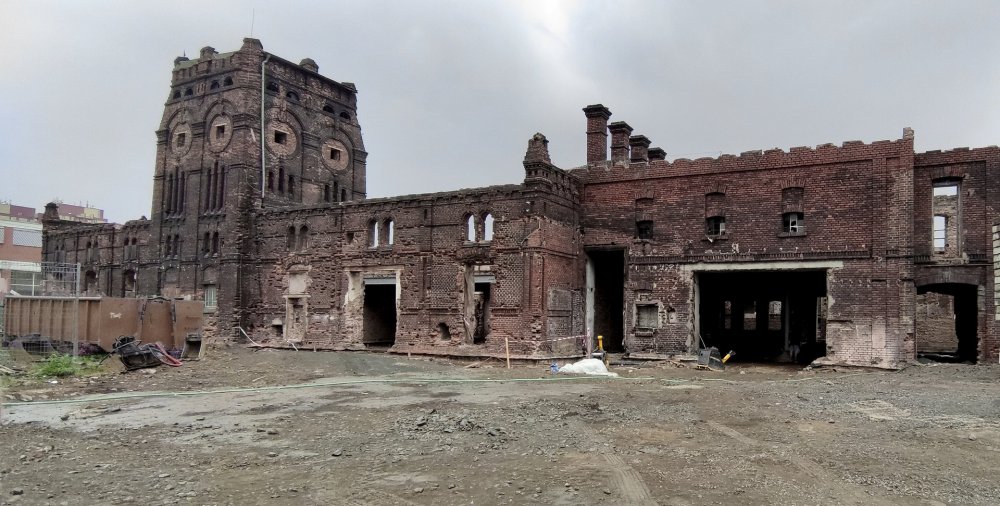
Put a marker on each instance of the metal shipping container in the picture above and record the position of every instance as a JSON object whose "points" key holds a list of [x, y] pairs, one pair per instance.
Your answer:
{"points": [[100, 320]]}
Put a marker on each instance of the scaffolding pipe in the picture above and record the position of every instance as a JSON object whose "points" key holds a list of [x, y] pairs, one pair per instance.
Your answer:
{"points": [[76, 314]]}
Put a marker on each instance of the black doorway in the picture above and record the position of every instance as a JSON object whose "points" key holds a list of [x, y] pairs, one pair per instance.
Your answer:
{"points": [[380, 315], [966, 317], [609, 295]]}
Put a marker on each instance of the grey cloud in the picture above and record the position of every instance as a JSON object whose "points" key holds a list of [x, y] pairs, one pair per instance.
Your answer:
{"points": [[451, 91]]}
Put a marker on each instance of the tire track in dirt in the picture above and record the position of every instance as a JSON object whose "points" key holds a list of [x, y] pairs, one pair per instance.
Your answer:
{"points": [[844, 492], [628, 481], [375, 497]]}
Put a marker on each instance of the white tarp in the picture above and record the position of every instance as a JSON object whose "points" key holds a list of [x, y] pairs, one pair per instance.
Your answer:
{"points": [[590, 366]]}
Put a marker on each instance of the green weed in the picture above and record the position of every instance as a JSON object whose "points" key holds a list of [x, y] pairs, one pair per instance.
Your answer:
{"points": [[59, 365]]}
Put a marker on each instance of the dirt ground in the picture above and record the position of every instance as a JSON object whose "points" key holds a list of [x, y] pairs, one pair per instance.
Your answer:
{"points": [[284, 427]]}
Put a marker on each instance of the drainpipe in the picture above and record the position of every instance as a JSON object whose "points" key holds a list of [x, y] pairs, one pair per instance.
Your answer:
{"points": [[263, 170]]}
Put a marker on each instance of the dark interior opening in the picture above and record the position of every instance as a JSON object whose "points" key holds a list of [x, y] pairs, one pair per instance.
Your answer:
{"points": [[764, 315], [948, 343], [609, 295], [482, 294], [443, 331], [380, 315]]}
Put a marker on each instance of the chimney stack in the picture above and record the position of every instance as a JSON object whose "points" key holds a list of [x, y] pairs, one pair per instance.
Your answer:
{"points": [[639, 144], [620, 132], [657, 154], [207, 53], [597, 132]]}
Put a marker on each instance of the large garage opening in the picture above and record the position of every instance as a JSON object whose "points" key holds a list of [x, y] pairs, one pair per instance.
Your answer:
{"points": [[764, 315], [946, 322], [606, 276], [380, 314]]}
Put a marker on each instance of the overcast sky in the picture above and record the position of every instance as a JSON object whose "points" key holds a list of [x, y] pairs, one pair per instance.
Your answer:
{"points": [[451, 91]]}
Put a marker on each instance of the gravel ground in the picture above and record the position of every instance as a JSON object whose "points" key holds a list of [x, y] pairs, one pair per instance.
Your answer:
{"points": [[361, 428]]}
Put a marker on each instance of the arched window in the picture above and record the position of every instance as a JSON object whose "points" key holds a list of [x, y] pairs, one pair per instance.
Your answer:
{"points": [[488, 227], [470, 228], [290, 238], [291, 185], [206, 244], [272, 86], [215, 85], [303, 238], [270, 180], [90, 281], [281, 179], [345, 116], [328, 108], [293, 96], [390, 231], [227, 81], [177, 245], [215, 243], [188, 92], [177, 94], [373, 234]]}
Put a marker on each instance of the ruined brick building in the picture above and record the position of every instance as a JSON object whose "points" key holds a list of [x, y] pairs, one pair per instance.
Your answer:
{"points": [[862, 253]]}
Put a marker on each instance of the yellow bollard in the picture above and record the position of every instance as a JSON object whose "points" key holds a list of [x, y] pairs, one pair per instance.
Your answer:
{"points": [[600, 347]]}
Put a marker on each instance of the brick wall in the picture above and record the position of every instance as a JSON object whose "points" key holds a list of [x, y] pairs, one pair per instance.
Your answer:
{"points": [[866, 221]]}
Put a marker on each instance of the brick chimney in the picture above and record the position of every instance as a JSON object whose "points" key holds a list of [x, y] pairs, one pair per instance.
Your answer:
{"points": [[207, 53], [620, 132], [657, 154], [597, 132], [639, 144], [51, 212]]}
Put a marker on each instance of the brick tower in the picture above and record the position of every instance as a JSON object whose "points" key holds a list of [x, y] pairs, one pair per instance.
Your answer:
{"points": [[213, 173]]}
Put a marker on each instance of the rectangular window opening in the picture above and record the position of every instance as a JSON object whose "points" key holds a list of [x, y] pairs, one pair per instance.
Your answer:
{"points": [[774, 315], [793, 223], [334, 154], [180, 140], [940, 233], [647, 316], [750, 316], [220, 131], [280, 137], [211, 297], [644, 229], [715, 226], [946, 191]]}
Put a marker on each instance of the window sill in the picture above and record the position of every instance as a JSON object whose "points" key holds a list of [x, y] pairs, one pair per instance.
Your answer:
{"points": [[713, 238], [791, 234], [209, 310], [645, 332]]}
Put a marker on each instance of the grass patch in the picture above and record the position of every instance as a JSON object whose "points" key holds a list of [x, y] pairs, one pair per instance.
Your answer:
{"points": [[60, 366]]}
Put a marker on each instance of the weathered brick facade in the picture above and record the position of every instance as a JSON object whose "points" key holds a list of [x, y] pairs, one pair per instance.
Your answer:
{"points": [[776, 254]]}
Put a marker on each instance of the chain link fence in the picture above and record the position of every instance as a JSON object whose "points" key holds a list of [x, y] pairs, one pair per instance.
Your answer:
{"points": [[56, 332]]}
